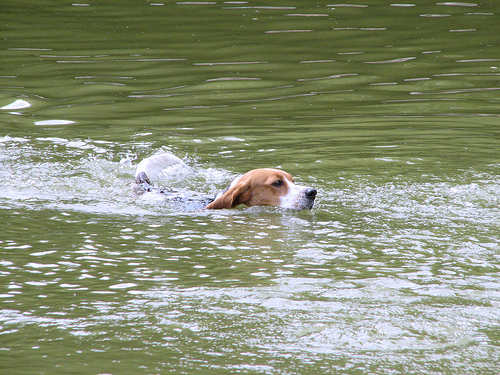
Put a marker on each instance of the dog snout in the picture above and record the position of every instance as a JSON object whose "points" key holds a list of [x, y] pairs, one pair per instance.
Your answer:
{"points": [[311, 193]]}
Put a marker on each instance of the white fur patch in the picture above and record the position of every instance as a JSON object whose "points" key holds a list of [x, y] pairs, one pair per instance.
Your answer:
{"points": [[296, 198]]}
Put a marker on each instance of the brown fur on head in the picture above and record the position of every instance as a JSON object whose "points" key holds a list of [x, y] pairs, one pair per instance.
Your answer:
{"points": [[259, 187]]}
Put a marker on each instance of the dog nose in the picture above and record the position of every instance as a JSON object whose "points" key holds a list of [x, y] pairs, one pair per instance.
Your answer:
{"points": [[311, 193]]}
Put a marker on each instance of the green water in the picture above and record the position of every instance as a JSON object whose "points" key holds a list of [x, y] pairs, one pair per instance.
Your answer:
{"points": [[390, 110]]}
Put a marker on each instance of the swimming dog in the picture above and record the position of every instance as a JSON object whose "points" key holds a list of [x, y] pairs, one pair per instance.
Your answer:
{"points": [[258, 187]]}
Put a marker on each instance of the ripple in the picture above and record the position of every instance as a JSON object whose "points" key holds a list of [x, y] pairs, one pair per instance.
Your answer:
{"points": [[459, 4], [54, 122], [287, 31], [392, 61], [348, 6], [307, 15], [435, 15], [231, 63]]}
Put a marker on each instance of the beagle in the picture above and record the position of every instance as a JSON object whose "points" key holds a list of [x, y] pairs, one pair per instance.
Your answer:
{"points": [[258, 187]]}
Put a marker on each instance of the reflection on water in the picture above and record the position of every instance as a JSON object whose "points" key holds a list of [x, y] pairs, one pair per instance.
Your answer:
{"points": [[389, 110], [243, 61], [385, 262]]}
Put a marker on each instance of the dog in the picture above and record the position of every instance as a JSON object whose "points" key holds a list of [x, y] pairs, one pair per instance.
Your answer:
{"points": [[258, 187]]}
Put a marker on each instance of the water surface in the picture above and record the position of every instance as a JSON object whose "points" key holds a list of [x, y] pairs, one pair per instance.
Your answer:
{"points": [[390, 110]]}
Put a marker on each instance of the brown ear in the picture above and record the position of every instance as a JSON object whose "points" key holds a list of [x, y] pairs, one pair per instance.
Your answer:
{"points": [[232, 197]]}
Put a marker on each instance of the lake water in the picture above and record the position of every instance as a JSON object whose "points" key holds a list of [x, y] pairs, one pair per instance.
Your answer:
{"points": [[390, 110]]}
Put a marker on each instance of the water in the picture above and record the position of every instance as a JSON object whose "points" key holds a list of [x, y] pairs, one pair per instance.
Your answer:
{"points": [[389, 110]]}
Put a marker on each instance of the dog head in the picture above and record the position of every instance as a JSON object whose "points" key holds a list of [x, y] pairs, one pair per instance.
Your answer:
{"points": [[265, 187]]}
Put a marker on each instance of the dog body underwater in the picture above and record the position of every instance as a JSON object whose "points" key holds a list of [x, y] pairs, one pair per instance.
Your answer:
{"points": [[258, 187]]}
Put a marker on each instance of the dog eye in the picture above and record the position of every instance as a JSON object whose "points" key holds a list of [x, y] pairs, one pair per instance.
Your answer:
{"points": [[277, 183]]}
